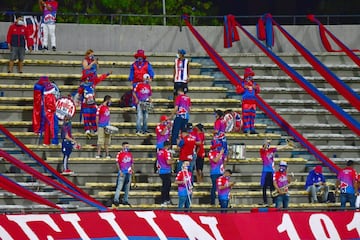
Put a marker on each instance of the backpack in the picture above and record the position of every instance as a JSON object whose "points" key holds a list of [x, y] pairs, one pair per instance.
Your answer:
{"points": [[331, 197], [126, 99]]}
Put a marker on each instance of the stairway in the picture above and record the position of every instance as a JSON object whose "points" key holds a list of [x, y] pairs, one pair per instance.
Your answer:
{"points": [[208, 90]]}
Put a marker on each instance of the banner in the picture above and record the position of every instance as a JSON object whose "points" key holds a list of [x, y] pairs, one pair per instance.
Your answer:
{"points": [[179, 225]]}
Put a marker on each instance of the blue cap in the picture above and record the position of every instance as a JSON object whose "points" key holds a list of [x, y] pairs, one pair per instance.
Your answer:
{"points": [[182, 51]]}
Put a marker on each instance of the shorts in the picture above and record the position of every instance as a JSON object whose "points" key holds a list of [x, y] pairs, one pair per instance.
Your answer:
{"points": [[199, 163], [103, 139], [180, 85], [17, 53]]}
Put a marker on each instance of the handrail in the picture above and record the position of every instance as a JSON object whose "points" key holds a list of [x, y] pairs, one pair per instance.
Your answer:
{"points": [[235, 79], [175, 20], [65, 185], [348, 93]]}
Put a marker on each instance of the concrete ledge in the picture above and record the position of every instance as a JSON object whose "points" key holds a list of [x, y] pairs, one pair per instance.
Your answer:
{"points": [[154, 100], [78, 63], [63, 76], [248, 194], [113, 88], [121, 124], [238, 136]]}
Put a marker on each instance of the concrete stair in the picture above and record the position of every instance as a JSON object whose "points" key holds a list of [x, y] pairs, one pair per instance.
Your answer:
{"points": [[208, 90]]}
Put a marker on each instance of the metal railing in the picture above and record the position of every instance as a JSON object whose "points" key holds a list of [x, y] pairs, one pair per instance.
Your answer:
{"points": [[175, 20]]}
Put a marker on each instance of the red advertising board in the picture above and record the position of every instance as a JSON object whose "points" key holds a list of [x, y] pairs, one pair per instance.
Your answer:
{"points": [[180, 225]]}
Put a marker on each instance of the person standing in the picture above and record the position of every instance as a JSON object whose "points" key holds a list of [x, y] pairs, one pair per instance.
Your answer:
{"points": [[182, 114], [18, 37], [248, 89], [347, 183], [219, 130], [267, 155], [125, 165], [183, 179], [49, 9], [102, 121], [165, 161], [138, 68], [181, 72], [216, 158], [90, 66], [315, 183], [187, 145], [357, 202], [163, 130], [224, 186], [68, 143], [142, 99], [281, 183], [200, 151]]}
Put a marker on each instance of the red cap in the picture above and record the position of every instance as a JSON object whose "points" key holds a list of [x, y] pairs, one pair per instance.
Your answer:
{"points": [[248, 72], [318, 169], [163, 118], [140, 53]]}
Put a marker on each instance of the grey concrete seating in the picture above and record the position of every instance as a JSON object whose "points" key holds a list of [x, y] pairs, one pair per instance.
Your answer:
{"points": [[220, 103], [235, 207], [344, 70], [77, 63]]}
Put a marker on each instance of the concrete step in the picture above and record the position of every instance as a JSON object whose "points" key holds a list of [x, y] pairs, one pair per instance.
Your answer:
{"points": [[75, 66], [343, 70], [220, 103], [146, 165], [289, 58], [12, 90], [295, 93], [133, 138], [202, 197], [118, 115], [286, 81], [114, 79]]}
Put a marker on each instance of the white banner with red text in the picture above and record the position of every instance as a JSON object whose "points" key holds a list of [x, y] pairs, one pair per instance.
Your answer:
{"points": [[179, 225]]}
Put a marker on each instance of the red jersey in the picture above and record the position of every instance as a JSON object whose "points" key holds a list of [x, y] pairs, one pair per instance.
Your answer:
{"points": [[281, 179], [187, 148], [223, 194], [125, 161], [200, 138]]}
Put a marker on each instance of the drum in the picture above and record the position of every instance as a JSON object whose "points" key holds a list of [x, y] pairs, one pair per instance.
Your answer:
{"points": [[111, 130]]}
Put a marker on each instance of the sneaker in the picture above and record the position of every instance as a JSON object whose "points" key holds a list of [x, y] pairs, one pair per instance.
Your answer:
{"points": [[45, 48], [67, 172], [146, 132], [138, 133], [9, 71], [108, 156], [253, 132], [116, 204], [126, 203], [169, 202], [98, 156], [54, 48], [164, 204], [87, 132]]}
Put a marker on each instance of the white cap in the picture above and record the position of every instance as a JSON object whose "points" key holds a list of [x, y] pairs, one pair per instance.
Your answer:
{"points": [[283, 163]]}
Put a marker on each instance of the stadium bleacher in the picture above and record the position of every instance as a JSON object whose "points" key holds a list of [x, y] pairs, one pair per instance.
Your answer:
{"points": [[209, 89]]}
